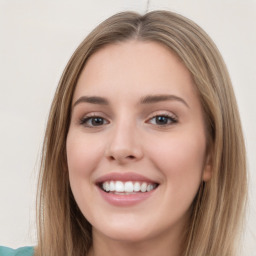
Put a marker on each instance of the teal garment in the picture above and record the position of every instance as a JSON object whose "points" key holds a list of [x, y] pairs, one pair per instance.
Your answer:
{"points": [[23, 251]]}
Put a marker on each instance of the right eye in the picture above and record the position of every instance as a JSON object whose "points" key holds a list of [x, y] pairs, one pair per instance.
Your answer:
{"points": [[93, 121]]}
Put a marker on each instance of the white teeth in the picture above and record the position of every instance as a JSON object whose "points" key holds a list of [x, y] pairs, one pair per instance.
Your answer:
{"points": [[111, 186], [119, 186], [143, 187], [136, 187], [128, 186], [106, 186], [150, 187]]}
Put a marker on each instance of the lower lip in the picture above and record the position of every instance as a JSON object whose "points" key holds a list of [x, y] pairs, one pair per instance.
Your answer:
{"points": [[125, 200]]}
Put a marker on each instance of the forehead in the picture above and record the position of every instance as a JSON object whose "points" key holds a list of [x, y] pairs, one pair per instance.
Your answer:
{"points": [[134, 68]]}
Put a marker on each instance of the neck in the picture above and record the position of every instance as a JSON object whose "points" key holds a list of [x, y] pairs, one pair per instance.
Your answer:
{"points": [[164, 245]]}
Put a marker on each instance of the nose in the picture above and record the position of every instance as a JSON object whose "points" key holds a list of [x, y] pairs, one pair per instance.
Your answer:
{"points": [[124, 144]]}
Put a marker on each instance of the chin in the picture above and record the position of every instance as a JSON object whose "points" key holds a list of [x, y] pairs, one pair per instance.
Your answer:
{"points": [[125, 231], [129, 236]]}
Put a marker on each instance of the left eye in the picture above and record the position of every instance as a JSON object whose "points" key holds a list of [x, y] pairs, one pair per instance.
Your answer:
{"points": [[163, 120], [93, 121]]}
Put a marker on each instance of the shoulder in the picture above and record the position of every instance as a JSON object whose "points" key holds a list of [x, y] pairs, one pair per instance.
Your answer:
{"points": [[23, 251]]}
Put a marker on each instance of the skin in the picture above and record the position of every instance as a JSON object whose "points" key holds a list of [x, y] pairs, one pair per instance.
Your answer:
{"points": [[130, 139]]}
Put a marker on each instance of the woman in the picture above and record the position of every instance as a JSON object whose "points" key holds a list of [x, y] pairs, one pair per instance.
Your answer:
{"points": [[143, 152]]}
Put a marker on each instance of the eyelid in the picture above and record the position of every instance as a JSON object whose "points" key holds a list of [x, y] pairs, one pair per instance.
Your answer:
{"points": [[163, 113], [86, 117], [94, 114], [170, 115]]}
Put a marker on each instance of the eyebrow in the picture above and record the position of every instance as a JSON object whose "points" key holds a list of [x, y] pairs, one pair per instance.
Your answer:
{"points": [[92, 100], [149, 99]]}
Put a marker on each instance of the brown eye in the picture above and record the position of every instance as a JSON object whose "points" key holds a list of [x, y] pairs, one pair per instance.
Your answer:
{"points": [[93, 121], [162, 120]]}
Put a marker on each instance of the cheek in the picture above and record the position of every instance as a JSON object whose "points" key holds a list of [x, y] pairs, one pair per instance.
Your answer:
{"points": [[83, 154], [181, 159], [180, 151]]}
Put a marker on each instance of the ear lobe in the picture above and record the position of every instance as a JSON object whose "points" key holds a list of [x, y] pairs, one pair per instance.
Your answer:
{"points": [[207, 173]]}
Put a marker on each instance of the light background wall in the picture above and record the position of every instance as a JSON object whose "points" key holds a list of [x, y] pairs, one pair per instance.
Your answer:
{"points": [[36, 40]]}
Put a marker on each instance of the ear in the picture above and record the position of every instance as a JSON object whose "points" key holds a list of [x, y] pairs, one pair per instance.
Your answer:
{"points": [[207, 172]]}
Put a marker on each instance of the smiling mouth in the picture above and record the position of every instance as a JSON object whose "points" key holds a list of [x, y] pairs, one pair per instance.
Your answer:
{"points": [[127, 188]]}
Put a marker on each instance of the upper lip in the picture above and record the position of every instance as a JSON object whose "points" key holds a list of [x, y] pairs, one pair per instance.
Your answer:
{"points": [[126, 176]]}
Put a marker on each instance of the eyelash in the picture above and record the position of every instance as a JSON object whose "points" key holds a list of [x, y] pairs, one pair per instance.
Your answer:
{"points": [[171, 119], [84, 121]]}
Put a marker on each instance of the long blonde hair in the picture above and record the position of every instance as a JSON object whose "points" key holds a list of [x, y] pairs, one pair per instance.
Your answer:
{"points": [[218, 208]]}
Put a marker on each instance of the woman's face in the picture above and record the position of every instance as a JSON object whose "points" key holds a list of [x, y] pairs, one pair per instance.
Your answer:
{"points": [[136, 146]]}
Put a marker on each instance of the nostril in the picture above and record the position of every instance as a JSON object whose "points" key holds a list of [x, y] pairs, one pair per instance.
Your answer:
{"points": [[121, 158]]}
